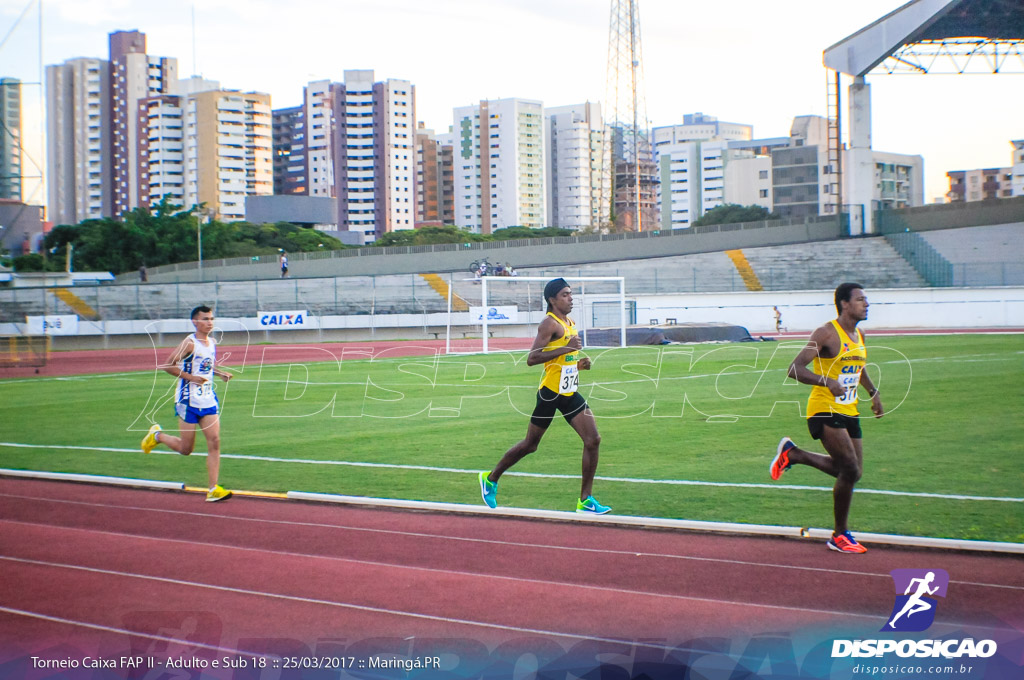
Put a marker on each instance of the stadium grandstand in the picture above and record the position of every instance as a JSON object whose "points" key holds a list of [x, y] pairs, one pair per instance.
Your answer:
{"points": [[403, 292]]}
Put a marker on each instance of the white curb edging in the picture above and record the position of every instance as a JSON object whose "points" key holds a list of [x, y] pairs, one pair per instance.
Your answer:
{"points": [[93, 479]]}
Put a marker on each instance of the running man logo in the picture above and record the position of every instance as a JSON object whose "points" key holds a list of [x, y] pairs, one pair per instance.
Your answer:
{"points": [[914, 609]]}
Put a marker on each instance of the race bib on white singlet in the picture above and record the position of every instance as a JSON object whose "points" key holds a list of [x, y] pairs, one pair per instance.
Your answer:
{"points": [[202, 392], [569, 381]]}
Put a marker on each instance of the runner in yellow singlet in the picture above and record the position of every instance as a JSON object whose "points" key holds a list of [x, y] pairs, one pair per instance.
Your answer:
{"points": [[839, 358], [557, 346]]}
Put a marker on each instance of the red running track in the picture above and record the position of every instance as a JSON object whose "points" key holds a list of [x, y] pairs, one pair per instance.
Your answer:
{"points": [[90, 570], [88, 362]]}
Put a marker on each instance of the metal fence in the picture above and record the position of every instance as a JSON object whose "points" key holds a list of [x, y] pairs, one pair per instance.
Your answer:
{"points": [[929, 262], [392, 294]]}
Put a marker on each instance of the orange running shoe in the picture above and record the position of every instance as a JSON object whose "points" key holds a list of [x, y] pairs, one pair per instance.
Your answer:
{"points": [[845, 543], [780, 463]]}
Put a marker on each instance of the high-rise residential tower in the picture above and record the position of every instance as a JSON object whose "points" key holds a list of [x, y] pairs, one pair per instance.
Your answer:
{"points": [[78, 149], [1017, 183], [134, 75], [291, 172], [160, 128], [434, 179], [692, 159], [499, 165], [227, 148], [374, 154], [319, 140], [573, 152], [10, 138]]}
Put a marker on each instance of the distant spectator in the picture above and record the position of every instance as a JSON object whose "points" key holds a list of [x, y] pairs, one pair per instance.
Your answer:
{"points": [[143, 276], [284, 264]]}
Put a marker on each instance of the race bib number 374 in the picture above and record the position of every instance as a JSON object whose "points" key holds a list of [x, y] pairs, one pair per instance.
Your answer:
{"points": [[569, 381]]}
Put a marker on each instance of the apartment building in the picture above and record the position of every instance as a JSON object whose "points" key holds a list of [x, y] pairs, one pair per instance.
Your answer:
{"points": [[317, 116], [160, 150], [698, 127], [291, 173], [134, 75], [573, 152], [227, 148], [986, 183], [802, 178], [499, 165], [374, 153], [980, 184], [10, 139], [1017, 183], [692, 160], [434, 180], [78, 149]]}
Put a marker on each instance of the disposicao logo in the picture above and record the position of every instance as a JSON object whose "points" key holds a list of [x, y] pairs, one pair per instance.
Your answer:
{"points": [[913, 611]]}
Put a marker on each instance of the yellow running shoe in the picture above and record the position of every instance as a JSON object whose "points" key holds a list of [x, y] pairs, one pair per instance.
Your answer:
{"points": [[217, 493], [149, 441]]}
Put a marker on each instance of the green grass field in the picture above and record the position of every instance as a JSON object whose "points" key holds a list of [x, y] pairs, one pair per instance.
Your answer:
{"points": [[703, 413]]}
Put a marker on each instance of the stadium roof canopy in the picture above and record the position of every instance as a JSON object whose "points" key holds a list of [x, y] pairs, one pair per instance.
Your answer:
{"points": [[931, 36]]}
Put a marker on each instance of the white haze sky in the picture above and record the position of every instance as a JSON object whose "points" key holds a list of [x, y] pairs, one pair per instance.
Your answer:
{"points": [[743, 61]]}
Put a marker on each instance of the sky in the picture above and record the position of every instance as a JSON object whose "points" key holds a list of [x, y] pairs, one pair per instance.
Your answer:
{"points": [[742, 61]]}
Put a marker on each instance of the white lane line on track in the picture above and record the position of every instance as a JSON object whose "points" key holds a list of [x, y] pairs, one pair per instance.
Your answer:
{"points": [[132, 633], [461, 539], [513, 579], [365, 608], [466, 622], [427, 468]]}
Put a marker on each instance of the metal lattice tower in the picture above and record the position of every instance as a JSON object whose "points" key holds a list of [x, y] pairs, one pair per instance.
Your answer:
{"points": [[629, 178]]}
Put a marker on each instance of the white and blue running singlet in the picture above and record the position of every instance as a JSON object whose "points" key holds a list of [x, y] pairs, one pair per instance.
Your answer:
{"points": [[200, 362]]}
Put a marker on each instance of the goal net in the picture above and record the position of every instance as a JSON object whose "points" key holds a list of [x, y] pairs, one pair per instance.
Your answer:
{"points": [[501, 313], [24, 351]]}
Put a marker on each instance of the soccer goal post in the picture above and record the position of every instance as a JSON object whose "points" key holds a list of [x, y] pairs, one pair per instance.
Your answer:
{"points": [[515, 304]]}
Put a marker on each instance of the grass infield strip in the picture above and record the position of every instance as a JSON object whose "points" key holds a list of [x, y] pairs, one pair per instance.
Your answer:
{"points": [[512, 473], [548, 515]]}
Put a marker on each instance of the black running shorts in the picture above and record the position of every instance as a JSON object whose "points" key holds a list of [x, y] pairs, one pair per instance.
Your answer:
{"points": [[548, 402], [816, 424]]}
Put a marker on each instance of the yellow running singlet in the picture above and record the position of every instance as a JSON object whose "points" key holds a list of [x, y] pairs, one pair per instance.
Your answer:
{"points": [[561, 374], [844, 367]]}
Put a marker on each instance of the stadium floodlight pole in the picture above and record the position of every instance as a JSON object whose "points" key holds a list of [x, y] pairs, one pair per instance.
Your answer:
{"points": [[202, 215], [448, 322], [199, 239], [483, 293]]}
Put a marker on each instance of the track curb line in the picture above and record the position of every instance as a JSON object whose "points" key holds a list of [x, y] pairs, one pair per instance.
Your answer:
{"points": [[548, 515]]}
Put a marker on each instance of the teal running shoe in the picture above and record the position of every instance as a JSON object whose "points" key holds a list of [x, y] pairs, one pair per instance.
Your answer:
{"points": [[488, 490], [590, 506]]}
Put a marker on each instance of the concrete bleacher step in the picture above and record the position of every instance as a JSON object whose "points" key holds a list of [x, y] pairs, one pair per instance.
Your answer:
{"points": [[441, 287], [77, 304]]}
